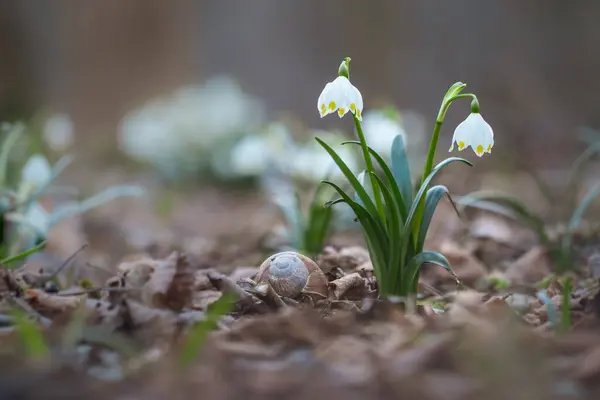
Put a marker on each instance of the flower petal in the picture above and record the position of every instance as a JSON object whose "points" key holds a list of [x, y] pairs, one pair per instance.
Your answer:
{"points": [[341, 96], [474, 132]]}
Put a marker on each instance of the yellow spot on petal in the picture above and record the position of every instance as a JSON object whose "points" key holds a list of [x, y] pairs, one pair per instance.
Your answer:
{"points": [[461, 145], [489, 148], [323, 108], [341, 111], [479, 150], [353, 107], [358, 113], [332, 105]]}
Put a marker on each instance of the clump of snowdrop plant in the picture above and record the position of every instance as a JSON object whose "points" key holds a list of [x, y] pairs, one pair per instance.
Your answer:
{"points": [[25, 218], [395, 216]]}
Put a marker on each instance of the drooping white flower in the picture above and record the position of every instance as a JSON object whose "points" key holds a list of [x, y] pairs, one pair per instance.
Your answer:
{"points": [[38, 219], [474, 132], [58, 132], [341, 96], [37, 171]]}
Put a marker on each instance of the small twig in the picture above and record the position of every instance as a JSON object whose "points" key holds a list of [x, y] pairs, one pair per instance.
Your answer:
{"points": [[245, 300], [67, 262], [267, 294], [431, 289], [98, 267], [27, 308], [96, 289]]}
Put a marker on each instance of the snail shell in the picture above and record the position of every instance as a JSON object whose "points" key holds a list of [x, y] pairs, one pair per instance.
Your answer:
{"points": [[291, 274]]}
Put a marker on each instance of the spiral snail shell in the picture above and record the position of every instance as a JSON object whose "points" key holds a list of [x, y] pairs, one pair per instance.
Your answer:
{"points": [[292, 274]]}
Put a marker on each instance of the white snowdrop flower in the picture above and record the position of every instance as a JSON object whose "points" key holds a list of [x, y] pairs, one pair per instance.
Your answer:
{"points": [[58, 132], [38, 219], [312, 163], [341, 96], [37, 171], [474, 132], [254, 154]]}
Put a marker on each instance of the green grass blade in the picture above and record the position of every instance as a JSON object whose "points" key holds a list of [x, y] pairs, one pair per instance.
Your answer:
{"points": [[358, 188], [578, 165], [401, 169], [410, 225], [94, 201], [485, 200], [22, 255], [393, 184], [7, 145], [373, 231], [565, 307], [30, 335], [432, 198], [414, 265], [424, 186], [395, 226], [567, 239], [198, 334], [318, 226]]}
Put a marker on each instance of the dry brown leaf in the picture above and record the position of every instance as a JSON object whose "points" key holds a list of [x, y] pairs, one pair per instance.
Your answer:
{"points": [[530, 268], [589, 368], [171, 284], [243, 273], [350, 358], [468, 268], [136, 270], [489, 226], [201, 300], [346, 258], [52, 305], [149, 323], [201, 281], [352, 286]]}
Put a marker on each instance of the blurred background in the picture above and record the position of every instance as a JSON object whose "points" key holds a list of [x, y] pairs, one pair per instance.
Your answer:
{"points": [[162, 82]]}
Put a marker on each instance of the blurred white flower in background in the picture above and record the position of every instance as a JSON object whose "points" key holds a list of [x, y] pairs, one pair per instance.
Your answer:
{"points": [[37, 171], [381, 126], [58, 132], [38, 219], [254, 154], [312, 163], [380, 129], [178, 133]]}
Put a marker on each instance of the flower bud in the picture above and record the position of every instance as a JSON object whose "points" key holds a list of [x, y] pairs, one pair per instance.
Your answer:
{"points": [[344, 69]]}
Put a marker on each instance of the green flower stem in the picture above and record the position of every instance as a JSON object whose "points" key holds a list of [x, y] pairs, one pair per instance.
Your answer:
{"points": [[369, 167], [431, 155]]}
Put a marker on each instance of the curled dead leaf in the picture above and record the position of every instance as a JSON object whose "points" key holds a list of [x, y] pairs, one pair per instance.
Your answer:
{"points": [[171, 284], [201, 300], [346, 258], [136, 270], [52, 305], [352, 285]]}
